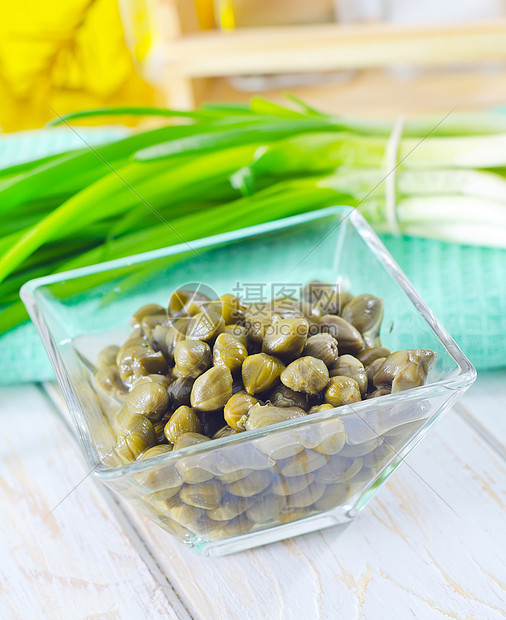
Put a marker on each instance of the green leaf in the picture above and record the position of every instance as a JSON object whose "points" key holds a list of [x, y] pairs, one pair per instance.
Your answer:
{"points": [[115, 193], [134, 111]]}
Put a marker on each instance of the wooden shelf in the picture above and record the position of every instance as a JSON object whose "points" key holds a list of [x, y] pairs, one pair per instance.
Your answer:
{"points": [[330, 47], [366, 70]]}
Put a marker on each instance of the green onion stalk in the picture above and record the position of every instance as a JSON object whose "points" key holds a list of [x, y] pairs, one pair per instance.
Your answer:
{"points": [[226, 166]]}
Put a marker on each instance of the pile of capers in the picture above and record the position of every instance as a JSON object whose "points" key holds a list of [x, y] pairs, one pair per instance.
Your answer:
{"points": [[204, 368]]}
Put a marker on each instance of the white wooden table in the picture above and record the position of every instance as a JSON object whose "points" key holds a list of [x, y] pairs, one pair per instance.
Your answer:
{"points": [[432, 544]]}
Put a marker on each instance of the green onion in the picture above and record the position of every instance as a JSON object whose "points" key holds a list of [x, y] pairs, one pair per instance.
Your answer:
{"points": [[234, 165], [12, 315], [133, 111], [326, 151], [75, 170], [448, 218], [253, 132], [115, 193]]}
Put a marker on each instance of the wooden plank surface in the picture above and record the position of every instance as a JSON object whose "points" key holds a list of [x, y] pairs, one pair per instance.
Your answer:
{"points": [[80, 560], [484, 408], [430, 545]]}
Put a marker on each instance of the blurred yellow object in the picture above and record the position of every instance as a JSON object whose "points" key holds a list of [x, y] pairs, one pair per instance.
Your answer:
{"points": [[64, 56]]}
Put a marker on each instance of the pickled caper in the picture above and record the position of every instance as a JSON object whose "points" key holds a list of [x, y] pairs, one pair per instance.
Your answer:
{"points": [[360, 449], [139, 360], [229, 352], [306, 497], [349, 339], [369, 355], [183, 420], [372, 369], [261, 372], [312, 290], [271, 446], [318, 408], [230, 507], [135, 339], [283, 396], [238, 406], [189, 439], [286, 486], [199, 370], [330, 302], [202, 495], [306, 374], [289, 515], [334, 495], [266, 508], [250, 485], [145, 311], [149, 399], [164, 499], [333, 439], [303, 463], [390, 367], [152, 322], [225, 431], [365, 312], [109, 381], [160, 379], [342, 391], [239, 332], [121, 418], [339, 470], [265, 415], [285, 337], [330, 298], [412, 364], [212, 389], [191, 472], [205, 326], [135, 438], [379, 392], [378, 458], [185, 515], [158, 340], [286, 307], [155, 451], [192, 358], [176, 332], [232, 309], [234, 527], [179, 391], [237, 474], [186, 303], [409, 376], [349, 366], [107, 357], [323, 347], [257, 324]]}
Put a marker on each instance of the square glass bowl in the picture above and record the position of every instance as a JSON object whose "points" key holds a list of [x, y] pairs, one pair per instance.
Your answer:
{"points": [[258, 486]]}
